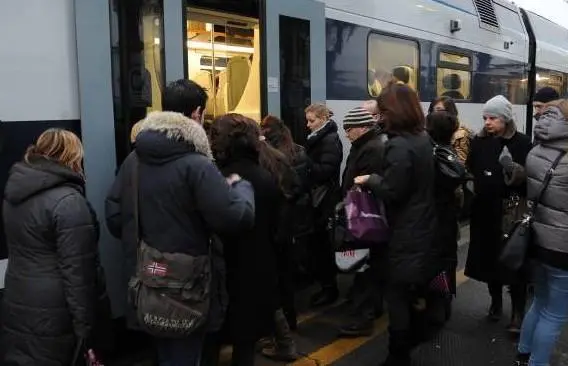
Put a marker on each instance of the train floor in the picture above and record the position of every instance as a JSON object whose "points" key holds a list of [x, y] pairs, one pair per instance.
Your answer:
{"points": [[467, 339]]}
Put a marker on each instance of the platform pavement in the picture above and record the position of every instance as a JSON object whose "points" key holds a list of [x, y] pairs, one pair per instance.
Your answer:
{"points": [[467, 340]]}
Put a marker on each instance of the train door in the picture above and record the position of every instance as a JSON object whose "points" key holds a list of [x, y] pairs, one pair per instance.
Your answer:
{"points": [[295, 60]]}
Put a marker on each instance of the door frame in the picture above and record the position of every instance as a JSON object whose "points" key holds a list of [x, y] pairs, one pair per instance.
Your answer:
{"points": [[310, 10]]}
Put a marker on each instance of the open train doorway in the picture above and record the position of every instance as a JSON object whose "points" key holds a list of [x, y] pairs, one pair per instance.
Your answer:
{"points": [[258, 57], [224, 57]]}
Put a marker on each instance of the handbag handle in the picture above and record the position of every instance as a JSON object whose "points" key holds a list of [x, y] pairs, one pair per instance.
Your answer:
{"points": [[546, 181]]}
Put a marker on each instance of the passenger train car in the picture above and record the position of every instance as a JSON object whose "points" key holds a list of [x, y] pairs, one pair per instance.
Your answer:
{"points": [[97, 67]]}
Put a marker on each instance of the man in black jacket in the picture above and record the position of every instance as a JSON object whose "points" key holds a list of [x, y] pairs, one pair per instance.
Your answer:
{"points": [[365, 157]]}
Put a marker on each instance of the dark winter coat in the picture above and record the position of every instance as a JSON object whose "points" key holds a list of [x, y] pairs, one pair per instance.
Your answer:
{"points": [[407, 189], [252, 275], [447, 209], [50, 295], [365, 157], [491, 187], [296, 219], [551, 218], [325, 153], [185, 198]]}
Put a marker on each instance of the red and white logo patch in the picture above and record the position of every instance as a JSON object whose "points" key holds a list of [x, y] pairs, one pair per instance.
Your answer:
{"points": [[156, 269]]}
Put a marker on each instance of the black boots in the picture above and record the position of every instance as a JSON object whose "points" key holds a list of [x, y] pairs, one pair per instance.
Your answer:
{"points": [[284, 347], [522, 359], [400, 346]]}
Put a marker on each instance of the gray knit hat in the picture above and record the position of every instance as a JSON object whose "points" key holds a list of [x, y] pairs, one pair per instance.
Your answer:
{"points": [[358, 117], [499, 106]]}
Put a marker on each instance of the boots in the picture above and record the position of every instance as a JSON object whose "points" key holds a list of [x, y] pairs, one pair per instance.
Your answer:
{"points": [[518, 302], [284, 348], [496, 309], [522, 359], [399, 348]]}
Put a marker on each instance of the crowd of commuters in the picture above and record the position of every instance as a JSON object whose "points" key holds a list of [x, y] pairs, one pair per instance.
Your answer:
{"points": [[244, 196]]}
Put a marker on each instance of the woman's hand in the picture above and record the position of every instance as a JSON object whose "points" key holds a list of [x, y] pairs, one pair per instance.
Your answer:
{"points": [[233, 178], [362, 179]]}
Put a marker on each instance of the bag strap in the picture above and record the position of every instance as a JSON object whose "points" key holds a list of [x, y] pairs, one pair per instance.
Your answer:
{"points": [[546, 180], [135, 197]]}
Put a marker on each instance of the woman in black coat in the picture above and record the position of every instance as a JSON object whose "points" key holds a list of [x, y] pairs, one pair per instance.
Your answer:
{"points": [[407, 188], [496, 160], [252, 277], [325, 153], [50, 295]]}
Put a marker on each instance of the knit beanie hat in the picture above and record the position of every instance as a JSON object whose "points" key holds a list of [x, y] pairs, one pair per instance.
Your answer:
{"points": [[499, 106], [546, 94], [358, 117]]}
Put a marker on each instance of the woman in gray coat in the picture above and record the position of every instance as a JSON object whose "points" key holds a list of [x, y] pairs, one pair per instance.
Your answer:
{"points": [[548, 313]]}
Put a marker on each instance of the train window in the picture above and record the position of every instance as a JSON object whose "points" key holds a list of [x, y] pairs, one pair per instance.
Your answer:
{"points": [[454, 75], [224, 57], [391, 59], [551, 79]]}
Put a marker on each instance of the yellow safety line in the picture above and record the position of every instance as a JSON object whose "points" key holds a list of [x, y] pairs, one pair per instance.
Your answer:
{"points": [[344, 346]]}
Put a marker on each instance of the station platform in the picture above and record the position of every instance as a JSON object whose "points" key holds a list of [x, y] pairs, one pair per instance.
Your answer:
{"points": [[467, 340]]}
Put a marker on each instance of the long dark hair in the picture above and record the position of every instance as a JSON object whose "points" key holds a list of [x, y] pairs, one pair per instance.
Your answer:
{"points": [[278, 135], [448, 103], [234, 135], [400, 110]]}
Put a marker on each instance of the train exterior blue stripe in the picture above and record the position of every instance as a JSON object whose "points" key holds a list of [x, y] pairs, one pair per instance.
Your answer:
{"points": [[347, 47], [453, 6]]}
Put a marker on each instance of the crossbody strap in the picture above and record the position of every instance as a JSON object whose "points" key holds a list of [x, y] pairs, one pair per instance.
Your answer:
{"points": [[135, 197], [546, 180]]}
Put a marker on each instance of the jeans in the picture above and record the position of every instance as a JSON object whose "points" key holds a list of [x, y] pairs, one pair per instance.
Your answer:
{"points": [[548, 313], [180, 352]]}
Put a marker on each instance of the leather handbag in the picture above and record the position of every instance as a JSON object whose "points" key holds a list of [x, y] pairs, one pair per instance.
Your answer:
{"points": [[449, 164], [520, 237]]}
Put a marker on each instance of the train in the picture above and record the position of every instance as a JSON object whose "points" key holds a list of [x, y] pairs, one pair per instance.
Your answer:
{"points": [[98, 67]]}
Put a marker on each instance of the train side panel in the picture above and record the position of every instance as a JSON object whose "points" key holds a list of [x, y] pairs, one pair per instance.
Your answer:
{"points": [[38, 79]]}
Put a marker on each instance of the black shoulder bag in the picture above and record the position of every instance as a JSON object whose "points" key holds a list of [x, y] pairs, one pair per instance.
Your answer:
{"points": [[448, 163], [520, 237], [171, 292]]}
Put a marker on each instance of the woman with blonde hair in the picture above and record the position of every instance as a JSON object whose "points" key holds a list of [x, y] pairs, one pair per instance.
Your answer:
{"points": [[51, 233], [325, 153]]}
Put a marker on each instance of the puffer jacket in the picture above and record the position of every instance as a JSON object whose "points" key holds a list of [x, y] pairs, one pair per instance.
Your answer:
{"points": [[325, 153], [50, 295], [186, 200], [551, 216]]}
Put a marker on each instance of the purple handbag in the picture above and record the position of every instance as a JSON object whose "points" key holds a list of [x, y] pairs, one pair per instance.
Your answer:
{"points": [[366, 219]]}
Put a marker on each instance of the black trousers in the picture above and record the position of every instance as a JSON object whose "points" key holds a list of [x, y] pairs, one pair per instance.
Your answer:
{"points": [[243, 352], [286, 288], [518, 292], [322, 258], [369, 287]]}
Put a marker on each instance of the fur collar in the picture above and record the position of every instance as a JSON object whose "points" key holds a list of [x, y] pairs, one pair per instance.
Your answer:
{"points": [[176, 126]]}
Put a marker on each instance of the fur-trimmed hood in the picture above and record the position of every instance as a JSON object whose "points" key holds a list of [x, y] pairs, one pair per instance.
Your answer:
{"points": [[178, 128]]}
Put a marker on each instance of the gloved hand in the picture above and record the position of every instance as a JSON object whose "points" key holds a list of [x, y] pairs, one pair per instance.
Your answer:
{"points": [[506, 160]]}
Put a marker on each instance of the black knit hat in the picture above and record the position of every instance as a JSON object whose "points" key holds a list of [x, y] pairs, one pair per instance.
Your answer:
{"points": [[358, 117], [546, 94]]}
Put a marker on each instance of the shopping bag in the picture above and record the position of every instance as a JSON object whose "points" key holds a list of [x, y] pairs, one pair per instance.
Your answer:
{"points": [[351, 260], [366, 220]]}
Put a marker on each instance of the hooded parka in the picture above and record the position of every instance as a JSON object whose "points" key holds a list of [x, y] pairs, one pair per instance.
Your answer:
{"points": [[184, 200], [50, 295], [551, 217]]}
